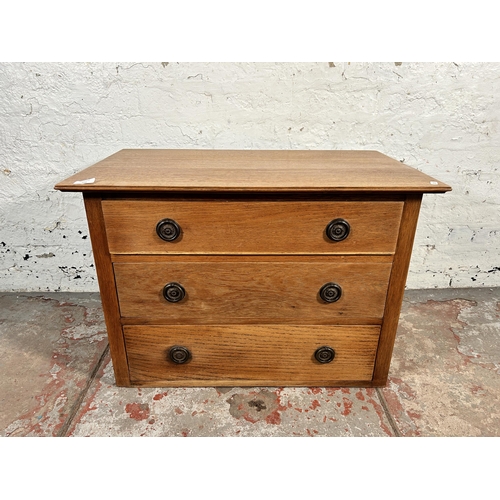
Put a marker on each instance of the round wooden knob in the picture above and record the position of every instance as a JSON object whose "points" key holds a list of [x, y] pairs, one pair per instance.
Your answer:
{"points": [[174, 292], [168, 230], [179, 354], [330, 292], [338, 229], [324, 354]]}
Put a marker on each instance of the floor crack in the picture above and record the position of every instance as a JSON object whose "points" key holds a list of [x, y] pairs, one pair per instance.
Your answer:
{"points": [[76, 405], [383, 402]]}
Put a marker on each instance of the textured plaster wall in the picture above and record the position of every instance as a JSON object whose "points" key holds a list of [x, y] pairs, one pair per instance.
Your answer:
{"points": [[56, 119]]}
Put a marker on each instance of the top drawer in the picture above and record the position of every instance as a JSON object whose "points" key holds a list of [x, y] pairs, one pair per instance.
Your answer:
{"points": [[252, 227]]}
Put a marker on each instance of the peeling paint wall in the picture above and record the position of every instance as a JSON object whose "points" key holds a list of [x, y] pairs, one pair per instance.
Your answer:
{"points": [[55, 119]]}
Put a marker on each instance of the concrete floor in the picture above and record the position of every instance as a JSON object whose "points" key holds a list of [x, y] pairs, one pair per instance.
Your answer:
{"points": [[56, 379]]}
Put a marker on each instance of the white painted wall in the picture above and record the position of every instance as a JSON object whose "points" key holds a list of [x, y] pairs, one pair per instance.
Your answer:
{"points": [[56, 119]]}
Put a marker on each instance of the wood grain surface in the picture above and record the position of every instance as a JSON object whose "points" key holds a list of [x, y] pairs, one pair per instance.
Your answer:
{"points": [[396, 288], [250, 354], [211, 227], [252, 291], [107, 288], [230, 170]]}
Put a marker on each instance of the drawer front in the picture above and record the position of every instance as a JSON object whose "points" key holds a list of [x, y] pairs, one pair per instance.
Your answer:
{"points": [[215, 227], [246, 291], [250, 355]]}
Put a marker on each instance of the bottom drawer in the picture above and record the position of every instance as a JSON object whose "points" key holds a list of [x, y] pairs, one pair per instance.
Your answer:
{"points": [[271, 355]]}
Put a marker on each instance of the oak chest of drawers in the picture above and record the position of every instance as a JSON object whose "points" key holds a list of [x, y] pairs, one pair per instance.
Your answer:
{"points": [[237, 268]]}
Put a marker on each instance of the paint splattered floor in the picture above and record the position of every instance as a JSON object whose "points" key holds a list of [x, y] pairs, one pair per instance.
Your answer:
{"points": [[56, 379]]}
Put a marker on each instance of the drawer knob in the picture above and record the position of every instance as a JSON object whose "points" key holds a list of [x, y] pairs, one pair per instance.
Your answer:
{"points": [[174, 292], [324, 354], [168, 230], [338, 229], [330, 292], [179, 354]]}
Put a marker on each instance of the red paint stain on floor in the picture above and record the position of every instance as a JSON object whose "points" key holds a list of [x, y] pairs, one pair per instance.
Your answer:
{"points": [[52, 394], [274, 418], [249, 418], [315, 404], [360, 395], [88, 405], [403, 388], [347, 407], [159, 397], [449, 311], [138, 411], [414, 415], [392, 396], [315, 390]]}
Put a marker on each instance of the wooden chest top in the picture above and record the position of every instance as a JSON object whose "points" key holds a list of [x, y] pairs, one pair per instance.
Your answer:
{"points": [[150, 170]]}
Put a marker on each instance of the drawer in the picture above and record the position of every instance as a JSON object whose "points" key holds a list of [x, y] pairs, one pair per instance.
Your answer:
{"points": [[252, 227], [246, 290], [250, 355]]}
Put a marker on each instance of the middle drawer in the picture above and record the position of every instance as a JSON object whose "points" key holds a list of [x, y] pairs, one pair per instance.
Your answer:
{"points": [[326, 291]]}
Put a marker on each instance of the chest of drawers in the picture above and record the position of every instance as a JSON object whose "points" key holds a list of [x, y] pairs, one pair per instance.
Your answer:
{"points": [[236, 268]]}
